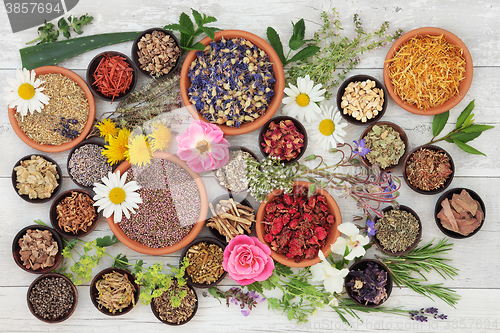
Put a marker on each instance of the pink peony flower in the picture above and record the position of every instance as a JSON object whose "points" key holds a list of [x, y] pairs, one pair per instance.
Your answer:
{"points": [[203, 147], [247, 260]]}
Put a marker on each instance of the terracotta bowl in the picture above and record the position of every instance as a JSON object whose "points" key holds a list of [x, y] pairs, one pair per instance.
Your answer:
{"points": [[403, 136], [449, 194], [88, 125], [237, 148], [25, 197], [67, 314], [157, 315], [462, 88], [53, 215], [141, 248], [331, 238], [439, 189], [361, 78], [94, 293], [413, 245], [16, 248], [277, 120], [278, 71], [362, 265]]}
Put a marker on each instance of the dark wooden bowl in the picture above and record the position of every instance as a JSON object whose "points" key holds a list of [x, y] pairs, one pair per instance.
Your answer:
{"points": [[236, 148], [157, 315]]}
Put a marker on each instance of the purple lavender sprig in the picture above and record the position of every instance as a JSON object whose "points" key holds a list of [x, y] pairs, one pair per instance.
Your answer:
{"points": [[246, 300], [423, 314]]}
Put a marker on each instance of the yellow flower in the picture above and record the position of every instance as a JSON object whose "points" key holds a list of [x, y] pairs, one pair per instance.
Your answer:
{"points": [[160, 138], [139, 152], [116, 150], [107, 128]]}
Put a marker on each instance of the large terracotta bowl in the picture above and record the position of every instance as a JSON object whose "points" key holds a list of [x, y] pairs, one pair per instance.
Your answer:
{"points": [[88, 125], [462, 88], [141, 248], [330, 239], [278, 72]]}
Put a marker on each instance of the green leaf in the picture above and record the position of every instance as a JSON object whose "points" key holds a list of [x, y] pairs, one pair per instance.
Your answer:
{"points": [[439, 122], [304, 53], [468, 121], [465, 147], [465, 113], [310, 157], [197, 17], [120, 261], [299, 30], [312, 189], [464, 137], [477, 128], [295, 44], [178, 27], [210, 32], [40, 222], [275, 41], [62, 24], [107, 241], [209, 19], [197, 47], [213, 292], [185, 21]]}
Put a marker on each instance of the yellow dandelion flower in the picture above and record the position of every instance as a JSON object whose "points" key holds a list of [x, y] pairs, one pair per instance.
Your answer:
{"points": [[139, 152], [116, 150], [107, 128], [160, 138]]}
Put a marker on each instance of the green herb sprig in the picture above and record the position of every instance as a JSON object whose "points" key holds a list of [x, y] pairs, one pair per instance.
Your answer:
{"points": [[47, 33], [465, 130]]}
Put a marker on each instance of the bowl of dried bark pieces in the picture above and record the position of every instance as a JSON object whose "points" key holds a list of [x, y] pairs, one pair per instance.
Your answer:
{"points": [[231, 216], [73, 214], [37, 249], [36, 178], [460, 213]]}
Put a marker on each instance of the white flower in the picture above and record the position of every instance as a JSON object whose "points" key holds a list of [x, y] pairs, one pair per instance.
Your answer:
{"points": [[334, 302], [25, 93], [329, 130], [301, 100], [355, 242], [116, 196], [333, 279]]}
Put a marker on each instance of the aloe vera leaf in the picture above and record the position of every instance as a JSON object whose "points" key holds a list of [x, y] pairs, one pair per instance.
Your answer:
{"points": [[53, 53]]}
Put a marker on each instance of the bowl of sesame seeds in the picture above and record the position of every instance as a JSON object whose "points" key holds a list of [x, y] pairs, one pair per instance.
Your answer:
{"points": [[236, 83]]}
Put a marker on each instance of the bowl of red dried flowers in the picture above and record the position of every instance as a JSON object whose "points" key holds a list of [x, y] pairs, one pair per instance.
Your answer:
{"points": [[460, 213], [296, 226], [283, 137], [428, 169]]}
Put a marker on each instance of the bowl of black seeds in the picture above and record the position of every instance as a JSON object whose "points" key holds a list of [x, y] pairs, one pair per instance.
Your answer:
{"points": [[86, 163], [52, 298]]}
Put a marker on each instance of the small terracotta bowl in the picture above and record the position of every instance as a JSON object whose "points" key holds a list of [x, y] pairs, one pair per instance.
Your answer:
{"points": [[362, 265], [157, 315], [277, 120], [25, 197], [54, 220], [437, 190], [361, 78], [94, 63], [232, 149], [449, 194], [16, 248], [94, 293], [209, 241], [413, 245], [402, 135], [135, 49]]}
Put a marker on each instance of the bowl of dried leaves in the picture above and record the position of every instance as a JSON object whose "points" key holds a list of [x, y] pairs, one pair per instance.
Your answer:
{"points": [[37, 249], [460, 213], [36, 178], [232, 176], [73, 214], [174, 312]]}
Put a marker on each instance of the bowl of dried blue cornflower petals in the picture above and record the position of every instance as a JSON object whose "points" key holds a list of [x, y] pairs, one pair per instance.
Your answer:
{"points": [[243, 86]]}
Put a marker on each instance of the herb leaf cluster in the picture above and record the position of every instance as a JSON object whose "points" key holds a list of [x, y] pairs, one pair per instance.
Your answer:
{"points": [[47, 33]]}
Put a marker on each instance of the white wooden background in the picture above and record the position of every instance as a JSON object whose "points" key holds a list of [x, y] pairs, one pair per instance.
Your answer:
{"points": [[475, 22]]}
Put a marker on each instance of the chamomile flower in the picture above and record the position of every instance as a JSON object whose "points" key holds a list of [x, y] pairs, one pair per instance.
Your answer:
{"points": [[116, 196], [301, 100], [328, 131], [25, 93]]}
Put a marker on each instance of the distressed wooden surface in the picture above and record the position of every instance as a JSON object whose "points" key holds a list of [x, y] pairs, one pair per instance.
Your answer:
{"points": [[475, 22]]}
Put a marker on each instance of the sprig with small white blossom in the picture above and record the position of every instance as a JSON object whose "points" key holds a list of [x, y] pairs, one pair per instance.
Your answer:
{"points": [[268, 175]]}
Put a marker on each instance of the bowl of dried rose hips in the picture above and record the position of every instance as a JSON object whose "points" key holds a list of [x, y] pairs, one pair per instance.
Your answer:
{"points": [[296, 226]]}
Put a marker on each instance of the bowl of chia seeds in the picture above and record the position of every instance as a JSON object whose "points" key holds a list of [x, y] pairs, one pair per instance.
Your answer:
{"points": [[232, 176]]}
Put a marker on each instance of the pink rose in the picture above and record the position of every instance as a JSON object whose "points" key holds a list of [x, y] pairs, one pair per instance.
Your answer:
{"points": [[247, 260]]}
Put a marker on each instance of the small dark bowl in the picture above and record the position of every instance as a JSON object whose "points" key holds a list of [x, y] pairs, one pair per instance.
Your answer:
{"points": [[157, 315], [297, 124], [439, 189], [362, 265], [135, 49], [16, 248], [236, 199], [25, 197], [93, 66], [236, 148], [94, 293], [67, 314], [53, 215], [93, 141], [208, 240], [448, 194], [403, 136], [361, 78]]}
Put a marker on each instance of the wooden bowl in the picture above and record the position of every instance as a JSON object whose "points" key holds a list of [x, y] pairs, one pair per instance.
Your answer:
{"points": [[157, 314], [278, 72], [462, 88], [88, 125]]}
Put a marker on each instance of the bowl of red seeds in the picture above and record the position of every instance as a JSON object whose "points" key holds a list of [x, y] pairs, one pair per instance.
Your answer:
{"points": [[296, 226], [111, 76]]}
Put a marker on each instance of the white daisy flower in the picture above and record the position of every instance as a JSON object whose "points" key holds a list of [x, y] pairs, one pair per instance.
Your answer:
{"points": [[329, 130], [301, 100], [25, 93], [116, 196]]}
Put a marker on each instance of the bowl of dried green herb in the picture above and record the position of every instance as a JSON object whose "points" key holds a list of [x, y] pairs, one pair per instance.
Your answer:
{"points": [[167, 309]]}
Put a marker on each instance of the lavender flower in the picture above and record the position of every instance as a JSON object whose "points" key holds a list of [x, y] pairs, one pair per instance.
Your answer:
{"points": [[370, 228], [360, 148], [422, 315], [368, 285]]}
